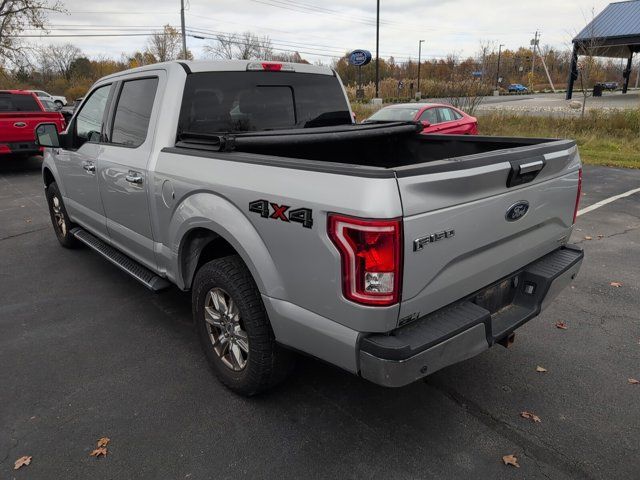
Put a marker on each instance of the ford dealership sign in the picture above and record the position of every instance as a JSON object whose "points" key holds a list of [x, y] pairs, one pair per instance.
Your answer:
{"points": [[359, 58]]}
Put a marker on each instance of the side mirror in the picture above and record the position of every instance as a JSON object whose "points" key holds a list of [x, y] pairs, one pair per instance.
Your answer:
{"points": [[425, 123], [47, 135]]}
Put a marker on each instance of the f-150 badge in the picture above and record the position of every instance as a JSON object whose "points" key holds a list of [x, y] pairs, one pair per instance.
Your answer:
{"points": [[420, 243], [268, 209]]}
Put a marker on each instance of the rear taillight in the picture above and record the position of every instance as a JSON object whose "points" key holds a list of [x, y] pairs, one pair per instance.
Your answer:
{"points": [[371, 253], [4, 149], [575, 210]]}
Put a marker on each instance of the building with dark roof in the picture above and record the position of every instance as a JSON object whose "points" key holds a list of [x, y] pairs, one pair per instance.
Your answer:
{"points": [[614, 33]]}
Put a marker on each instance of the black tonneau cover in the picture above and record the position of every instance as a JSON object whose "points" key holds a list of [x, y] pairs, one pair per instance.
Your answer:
{"points": [[382, 145]]}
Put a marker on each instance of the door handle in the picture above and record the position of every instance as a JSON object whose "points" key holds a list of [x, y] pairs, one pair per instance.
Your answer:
{"points": [[133, 177], [89, 167]]}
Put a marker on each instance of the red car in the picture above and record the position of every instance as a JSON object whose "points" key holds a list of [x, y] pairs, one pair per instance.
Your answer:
{"points": [[20, 113], [436, 118]]}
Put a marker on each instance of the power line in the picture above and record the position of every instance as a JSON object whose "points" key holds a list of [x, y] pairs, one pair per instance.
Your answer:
{"points": [[340, 51]]}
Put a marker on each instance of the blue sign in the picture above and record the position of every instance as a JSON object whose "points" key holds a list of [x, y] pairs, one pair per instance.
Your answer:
{"points": [[359, 58]]}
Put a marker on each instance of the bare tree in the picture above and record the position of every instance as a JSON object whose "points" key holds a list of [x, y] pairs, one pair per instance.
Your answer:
{"points": [[62, 57], [463, 91], [15, 17], [165, 45], [245, 46]]}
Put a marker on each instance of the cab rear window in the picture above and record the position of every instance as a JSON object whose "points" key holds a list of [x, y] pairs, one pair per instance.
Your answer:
{"points": [[220, 102], [15, 102]]}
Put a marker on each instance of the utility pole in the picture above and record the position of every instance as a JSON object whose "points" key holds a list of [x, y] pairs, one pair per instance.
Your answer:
{"points": [[184, 33], [418, 92], [377, 46], [534, 42], [498, 69]]}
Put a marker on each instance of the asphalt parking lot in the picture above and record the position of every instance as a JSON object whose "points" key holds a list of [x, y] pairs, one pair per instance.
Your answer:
{"points": [[87, 352], [556, 104]]}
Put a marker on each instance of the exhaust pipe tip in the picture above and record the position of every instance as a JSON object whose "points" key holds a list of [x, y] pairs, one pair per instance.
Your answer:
{"points": [[507, 341]]}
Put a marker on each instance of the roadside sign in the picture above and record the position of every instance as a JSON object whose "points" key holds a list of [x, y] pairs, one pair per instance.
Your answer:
{"points": [[359, 58]]}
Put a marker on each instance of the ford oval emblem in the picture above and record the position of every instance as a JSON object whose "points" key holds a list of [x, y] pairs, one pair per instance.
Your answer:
{"points": [[517, 211], [359, 58]]}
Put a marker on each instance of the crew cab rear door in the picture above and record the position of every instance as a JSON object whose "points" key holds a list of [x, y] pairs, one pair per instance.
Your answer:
{"points": [[123, 160], [468, 222]]}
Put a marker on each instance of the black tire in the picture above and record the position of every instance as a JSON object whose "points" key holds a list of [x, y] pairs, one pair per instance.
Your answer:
{"points": [[60, 219], [59, 103], [267, 364]]}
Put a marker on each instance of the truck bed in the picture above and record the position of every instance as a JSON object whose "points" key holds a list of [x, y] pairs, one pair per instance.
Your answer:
{"points": [[394, 146]]}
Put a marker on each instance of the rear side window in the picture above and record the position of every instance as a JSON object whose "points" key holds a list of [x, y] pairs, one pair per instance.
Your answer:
{"points": [[133, 112], [218, 102], [15, 102], [447, 115]]}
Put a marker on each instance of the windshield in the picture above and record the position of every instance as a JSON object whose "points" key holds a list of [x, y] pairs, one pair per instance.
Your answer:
{"points": [[394, 115], [215, 102]]}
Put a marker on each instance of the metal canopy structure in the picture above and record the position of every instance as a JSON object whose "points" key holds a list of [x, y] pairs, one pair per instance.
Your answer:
{"points": [[614, 33]]}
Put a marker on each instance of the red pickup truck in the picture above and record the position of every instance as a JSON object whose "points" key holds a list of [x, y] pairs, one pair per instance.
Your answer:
{"points": [[20, 113]]}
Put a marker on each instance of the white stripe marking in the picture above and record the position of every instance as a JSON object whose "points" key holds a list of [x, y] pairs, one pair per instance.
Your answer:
{"points": [[602, 203]]}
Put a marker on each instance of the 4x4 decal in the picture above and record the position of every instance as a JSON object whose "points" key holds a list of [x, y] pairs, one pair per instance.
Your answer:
{"points": [[268, 209]]}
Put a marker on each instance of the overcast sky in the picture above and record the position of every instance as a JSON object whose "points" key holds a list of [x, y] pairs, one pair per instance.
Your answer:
{"points": [[323, 30]]}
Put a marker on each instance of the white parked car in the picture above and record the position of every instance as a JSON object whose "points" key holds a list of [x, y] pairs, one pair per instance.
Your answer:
{"points": [[57, 99]]}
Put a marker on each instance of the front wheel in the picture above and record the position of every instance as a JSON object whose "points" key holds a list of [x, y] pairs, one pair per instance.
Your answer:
{"points": [[60, 219], [234, 329]]}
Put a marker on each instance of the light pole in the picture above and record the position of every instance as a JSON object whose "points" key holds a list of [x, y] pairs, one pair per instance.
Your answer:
{"points": [[377, 46], [418, 93], [184, 35], [498, 69]]}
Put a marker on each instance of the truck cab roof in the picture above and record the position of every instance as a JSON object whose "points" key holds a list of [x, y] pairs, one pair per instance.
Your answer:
{"points": [[197, 66]]}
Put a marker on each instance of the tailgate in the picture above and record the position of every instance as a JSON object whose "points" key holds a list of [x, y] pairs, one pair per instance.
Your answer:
{"points": [[20, 127], [457, 237]]}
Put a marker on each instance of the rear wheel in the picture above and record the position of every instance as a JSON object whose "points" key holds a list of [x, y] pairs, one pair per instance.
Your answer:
{"points": [[61, 224], [234, 329]]}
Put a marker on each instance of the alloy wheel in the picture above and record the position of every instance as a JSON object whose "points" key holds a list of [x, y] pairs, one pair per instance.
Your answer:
{"points": [[58, 215], [225, 328]]}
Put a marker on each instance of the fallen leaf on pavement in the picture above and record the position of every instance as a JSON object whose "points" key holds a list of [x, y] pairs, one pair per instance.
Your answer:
{"points": [[511, 460], [103, 442], [588, 237], [22, 461], [540, 369], [101, 447], [530, 416], [616, 284], [600, 236], [561, 325], [633, 381], [99, 451]]}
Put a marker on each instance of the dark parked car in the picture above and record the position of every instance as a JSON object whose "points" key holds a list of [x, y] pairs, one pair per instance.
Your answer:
{"points": [[611, 86], [69, 109]]}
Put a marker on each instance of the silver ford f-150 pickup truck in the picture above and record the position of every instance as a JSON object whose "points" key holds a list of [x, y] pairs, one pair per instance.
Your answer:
{"points": [[385, 252]]}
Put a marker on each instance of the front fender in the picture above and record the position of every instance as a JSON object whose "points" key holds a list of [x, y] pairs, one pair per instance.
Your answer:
{"points": [[215, 213], [48, 163]]}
